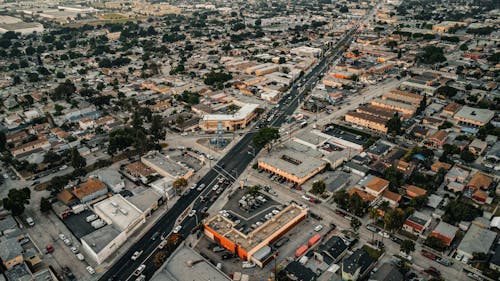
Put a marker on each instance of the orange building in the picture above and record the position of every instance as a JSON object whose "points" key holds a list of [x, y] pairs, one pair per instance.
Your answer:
{"points": [[250, 246]]}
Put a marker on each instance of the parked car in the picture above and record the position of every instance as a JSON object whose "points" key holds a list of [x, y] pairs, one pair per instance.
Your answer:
{"points": [[192, 213], [428, 255], [141, 278], [247, 264], [49, 248], [136, 255], [444, 261], [200, 187], [177, 229], [74, 250], [139, 270], [30, 221], [79, 256], [318, 228], [384, 234], [155, 236], [217, 249], [90, 269]]}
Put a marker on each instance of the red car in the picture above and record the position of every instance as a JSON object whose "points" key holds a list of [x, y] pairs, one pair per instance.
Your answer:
{"points": [[428, 255], [50, 248]]}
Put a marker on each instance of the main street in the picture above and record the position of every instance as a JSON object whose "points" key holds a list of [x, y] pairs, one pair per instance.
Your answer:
{"points": [[234, 163]]}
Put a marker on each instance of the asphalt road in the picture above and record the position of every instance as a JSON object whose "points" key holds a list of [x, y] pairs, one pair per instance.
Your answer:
{"points": [[230, 166]]}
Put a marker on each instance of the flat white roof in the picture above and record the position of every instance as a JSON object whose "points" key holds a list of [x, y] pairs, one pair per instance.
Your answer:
{"points": [[118, 211], [243, 112]]}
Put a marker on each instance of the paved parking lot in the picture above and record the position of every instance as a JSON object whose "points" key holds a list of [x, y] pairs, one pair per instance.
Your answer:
{"points": [[78, 225]]}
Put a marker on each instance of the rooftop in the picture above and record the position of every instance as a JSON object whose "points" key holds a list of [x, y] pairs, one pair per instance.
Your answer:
{"points": [[186, 264], [248, 242], [163, 164], [446, 229], [475, 114], [242, 113], [477, 240], [118, 211], [100, 238], [89, 187]]}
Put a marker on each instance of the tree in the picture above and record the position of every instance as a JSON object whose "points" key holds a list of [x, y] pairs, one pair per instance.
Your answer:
{"points": [[16, 199], [281, 60], [355, 224], [157, 129], [395, 178], [253, 190], [64, 90], [179, 184], [394, 125], [467, 156], [464, 47], [447, 91], [457, 211], [160, 258], [318, 187], [446, 125], [432, 55], [45, 205], [265, 136], [394, 219], [77, 161], [407, 246], [51, 157], [3, 141], [435, 243]]}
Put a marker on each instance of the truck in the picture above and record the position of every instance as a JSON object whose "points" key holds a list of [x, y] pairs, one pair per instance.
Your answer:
{"points": [[91, 218], [98, 224], [78, 208]]}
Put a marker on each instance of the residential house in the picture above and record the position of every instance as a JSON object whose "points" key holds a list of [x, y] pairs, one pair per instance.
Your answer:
{"points": [[414, 191], [445, 232], [477, 147], [437, 139], [356, 266], [387, 272], [480, 181], [11, 252], [417, 223], [90, 190], [456, 174]]}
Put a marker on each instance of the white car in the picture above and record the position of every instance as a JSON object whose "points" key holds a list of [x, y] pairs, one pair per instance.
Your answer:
{"points": [[247, 264], [200, 188], [458, 257], [307, 198], [90, 269], [62, 236], [465, 260], [177, 229], [215, 187], [139, 270], [136, 255], [384, 234], [192, 213], [79, 256], [67, 241], [318, 228], [74, 250], [30, 221], [193, 186], [141, 278]]}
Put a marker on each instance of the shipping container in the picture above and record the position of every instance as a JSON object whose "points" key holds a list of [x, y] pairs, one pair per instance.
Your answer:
{"points": [[313, 240], [301, 250]]}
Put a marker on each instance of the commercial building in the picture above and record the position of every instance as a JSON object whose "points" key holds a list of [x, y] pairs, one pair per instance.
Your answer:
{"points": [[403, 108], [476, 240], [474, 117], [230, 122], [22, 27], [187, 264], [122, 219], [367, 121], [255, 245], [306, 51], [402, 96], [293, 165], [165, 166]]}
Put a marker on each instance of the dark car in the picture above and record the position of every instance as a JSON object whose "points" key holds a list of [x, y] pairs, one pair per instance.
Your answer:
{"points": [[155, 236]]}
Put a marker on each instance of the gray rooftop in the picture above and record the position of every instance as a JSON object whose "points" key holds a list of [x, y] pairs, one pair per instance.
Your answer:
{"points": [[7, 223], [477, 240], [387, 272], [164, 163], [10, 249], [446, 229], [145, 199], [100, 238], [177, 268], [476, 114], [303, 166]]}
